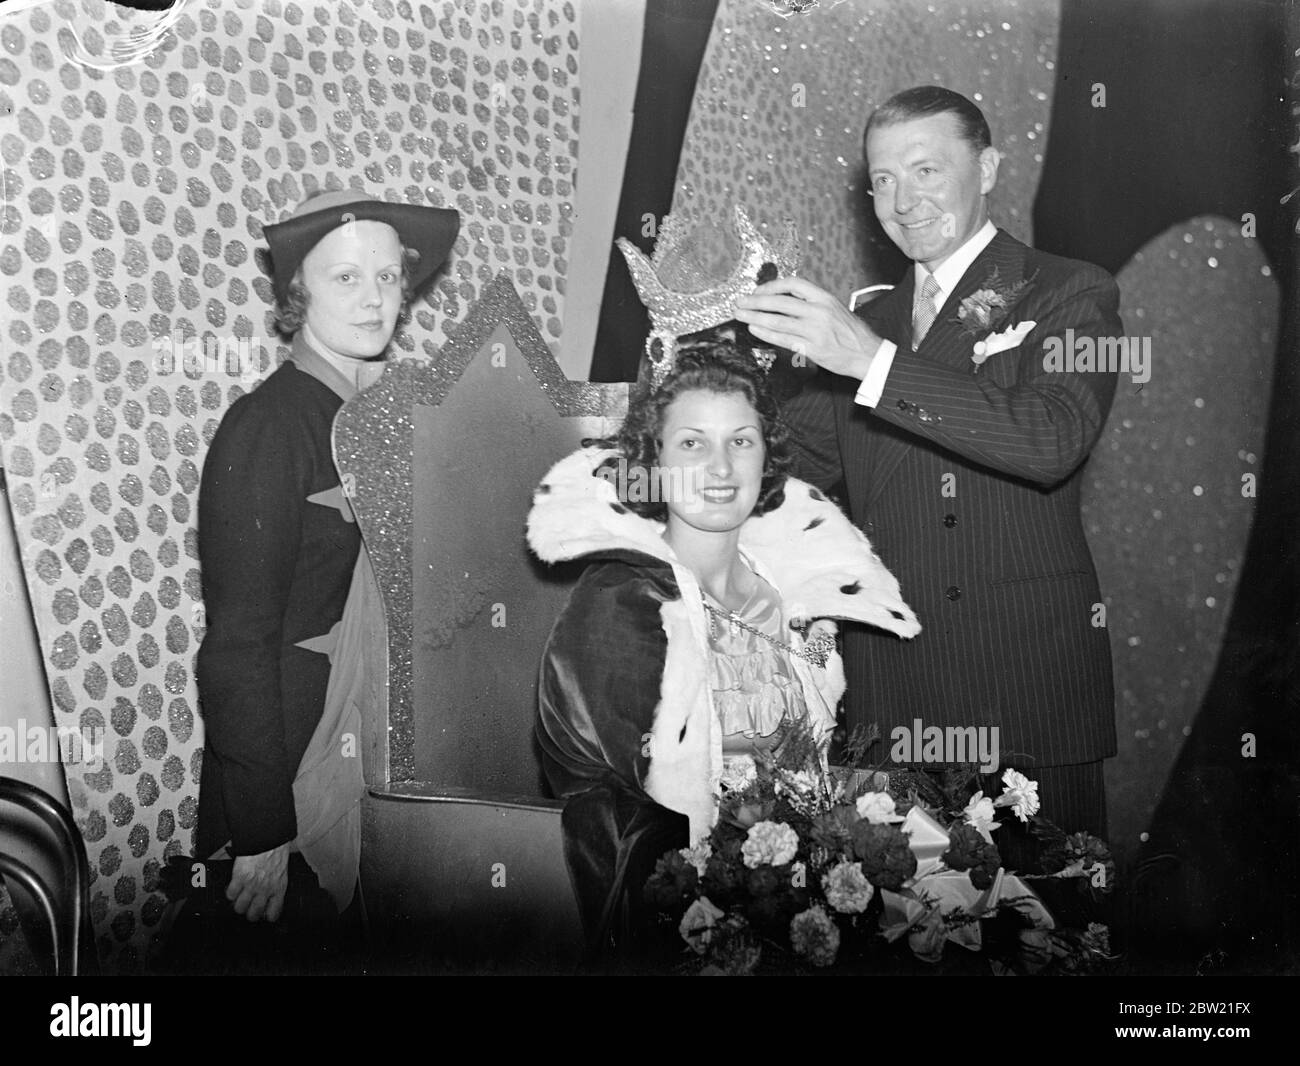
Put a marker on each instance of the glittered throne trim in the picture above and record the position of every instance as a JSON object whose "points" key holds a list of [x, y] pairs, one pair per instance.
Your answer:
{"points": [[374, 442]]}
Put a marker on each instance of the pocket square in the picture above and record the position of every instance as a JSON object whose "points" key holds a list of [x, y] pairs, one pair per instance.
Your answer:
{"points": [[1000, 342]]}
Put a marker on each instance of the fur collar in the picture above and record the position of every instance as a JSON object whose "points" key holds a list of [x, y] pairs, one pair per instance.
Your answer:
{"points": [[823, 565]]}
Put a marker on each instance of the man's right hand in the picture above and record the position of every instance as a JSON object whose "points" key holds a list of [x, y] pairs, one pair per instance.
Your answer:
{"points": [[258, 884], [795, 314]]}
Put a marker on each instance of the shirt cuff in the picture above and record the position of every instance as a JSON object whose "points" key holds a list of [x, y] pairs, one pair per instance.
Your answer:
{"points": [[873, 385]]}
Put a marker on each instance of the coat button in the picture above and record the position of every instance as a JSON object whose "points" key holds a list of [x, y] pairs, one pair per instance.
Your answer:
{"points": [[903, 405], [953, 592], [950, 520]]}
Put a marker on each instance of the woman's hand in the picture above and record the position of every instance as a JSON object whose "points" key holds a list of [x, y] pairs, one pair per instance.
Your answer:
{"points": [[258, 884]]}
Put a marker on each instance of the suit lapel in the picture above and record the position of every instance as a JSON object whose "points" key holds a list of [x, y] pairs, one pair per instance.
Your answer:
{"points": [[945, 342]]}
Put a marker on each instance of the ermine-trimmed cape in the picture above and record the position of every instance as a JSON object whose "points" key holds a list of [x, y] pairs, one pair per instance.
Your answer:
{"points": [[626, 721], [641, 599]]}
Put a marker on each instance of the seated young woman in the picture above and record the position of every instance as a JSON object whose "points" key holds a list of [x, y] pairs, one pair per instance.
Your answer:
{"points": [[682, 646]]}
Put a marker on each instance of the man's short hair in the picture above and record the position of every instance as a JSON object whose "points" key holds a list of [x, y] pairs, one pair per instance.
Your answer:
{"points": [[925, 100]]}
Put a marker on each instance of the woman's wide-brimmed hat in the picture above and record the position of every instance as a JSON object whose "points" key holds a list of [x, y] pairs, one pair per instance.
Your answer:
{"points": [[426, 232]]}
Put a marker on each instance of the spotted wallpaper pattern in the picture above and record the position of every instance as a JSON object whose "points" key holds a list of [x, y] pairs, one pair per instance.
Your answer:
{"points": [[136, 309]]}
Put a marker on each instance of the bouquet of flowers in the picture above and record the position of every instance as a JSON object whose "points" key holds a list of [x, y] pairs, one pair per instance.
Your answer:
{"points": [[815, 861]]}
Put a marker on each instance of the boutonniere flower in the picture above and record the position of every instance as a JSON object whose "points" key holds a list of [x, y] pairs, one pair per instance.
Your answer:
{"points": [[984, 310], [987, 306], [1000, 342]]}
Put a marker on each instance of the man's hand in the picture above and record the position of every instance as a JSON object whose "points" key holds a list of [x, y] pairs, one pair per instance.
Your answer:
{"points": [[258, 884], [795, 314]]}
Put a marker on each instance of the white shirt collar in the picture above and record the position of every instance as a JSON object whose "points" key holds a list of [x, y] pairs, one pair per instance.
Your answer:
{"points": [[952, 269]]}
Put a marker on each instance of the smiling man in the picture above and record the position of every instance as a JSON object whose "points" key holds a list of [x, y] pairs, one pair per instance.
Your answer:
{"points": [[961, 454]]}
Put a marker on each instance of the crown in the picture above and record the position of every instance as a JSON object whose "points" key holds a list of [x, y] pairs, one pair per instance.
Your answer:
{"points": [[687, 286]]}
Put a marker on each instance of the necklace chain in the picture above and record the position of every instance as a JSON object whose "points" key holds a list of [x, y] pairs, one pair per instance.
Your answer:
{"points": [[816, 651]]}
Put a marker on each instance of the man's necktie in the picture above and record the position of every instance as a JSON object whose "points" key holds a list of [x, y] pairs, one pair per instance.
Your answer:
{"points": [[924, 313]]}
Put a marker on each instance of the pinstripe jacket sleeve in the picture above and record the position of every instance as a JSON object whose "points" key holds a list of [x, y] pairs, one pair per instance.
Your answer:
{"points": [[814, 438]]}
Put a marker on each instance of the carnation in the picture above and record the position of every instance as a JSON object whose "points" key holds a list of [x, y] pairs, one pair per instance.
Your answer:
{"points": [[738, 773], [1020, 794], [886, 858], [765, 881], [830, 829], [847, 888], [698, 923], [800, 788], [979, 813], [1097, 938], [673, 883], [814, 936], [724, 874], [769, 843], [1091, 852], [877, 808], [734, 948], [771, 900], [698, 856], [967, 850]]}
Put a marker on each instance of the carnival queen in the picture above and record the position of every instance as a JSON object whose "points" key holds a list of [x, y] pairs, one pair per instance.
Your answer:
{"points": [[701, 628]]}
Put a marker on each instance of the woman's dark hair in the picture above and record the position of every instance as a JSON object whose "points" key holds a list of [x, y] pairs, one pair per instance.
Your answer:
{"points": [[291, 313], [714, 363]]}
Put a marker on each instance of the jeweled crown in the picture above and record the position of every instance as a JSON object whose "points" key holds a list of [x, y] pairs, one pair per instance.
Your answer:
{"points": [[686, 284]]}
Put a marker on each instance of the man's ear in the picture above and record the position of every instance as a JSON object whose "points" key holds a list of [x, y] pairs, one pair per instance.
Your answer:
{"points": [[989, 160]]}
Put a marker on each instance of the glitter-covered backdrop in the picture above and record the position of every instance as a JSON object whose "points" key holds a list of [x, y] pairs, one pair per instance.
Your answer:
{"points": [[1169, 496], [781, 103], [134, 200]]}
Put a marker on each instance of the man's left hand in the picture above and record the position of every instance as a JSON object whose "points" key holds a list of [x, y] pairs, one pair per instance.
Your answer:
{"points": [[795, 314]]}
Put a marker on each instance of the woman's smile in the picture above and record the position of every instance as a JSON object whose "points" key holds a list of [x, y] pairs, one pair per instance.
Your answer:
{"points": [[715, 441]]}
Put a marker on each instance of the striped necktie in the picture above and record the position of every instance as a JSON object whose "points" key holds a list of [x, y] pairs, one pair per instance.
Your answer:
{"points": [[923, 314]]}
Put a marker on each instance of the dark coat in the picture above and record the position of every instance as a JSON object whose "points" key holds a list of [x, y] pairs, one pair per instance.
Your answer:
{"points": [[277, 544]]}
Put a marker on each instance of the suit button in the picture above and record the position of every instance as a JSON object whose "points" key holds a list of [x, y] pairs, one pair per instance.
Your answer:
{"points": [[903, 405], [869, 528], [953, 592], [950, 520]]}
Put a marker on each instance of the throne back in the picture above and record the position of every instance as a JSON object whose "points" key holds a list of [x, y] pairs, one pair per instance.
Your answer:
{"points": [[462, 860]]}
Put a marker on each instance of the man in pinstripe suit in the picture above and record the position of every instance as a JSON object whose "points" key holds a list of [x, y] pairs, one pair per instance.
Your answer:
{"points": [[962, 454]]}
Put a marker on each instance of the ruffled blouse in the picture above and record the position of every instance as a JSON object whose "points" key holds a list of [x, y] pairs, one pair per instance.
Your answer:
{"points": [[754, 687]]}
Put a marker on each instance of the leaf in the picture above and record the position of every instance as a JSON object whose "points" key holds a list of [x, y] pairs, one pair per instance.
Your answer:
{"points": [[860, 740]]}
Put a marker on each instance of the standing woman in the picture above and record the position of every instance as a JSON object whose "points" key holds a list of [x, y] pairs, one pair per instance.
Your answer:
{"points": [[278, 543]]}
